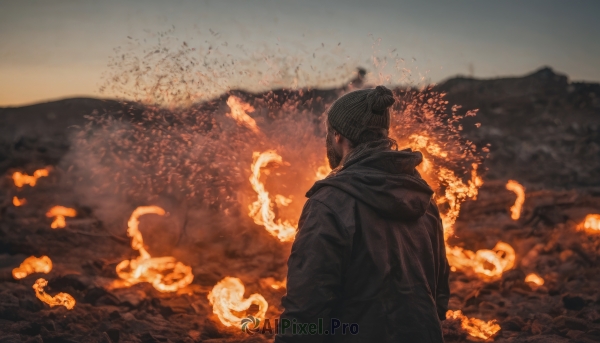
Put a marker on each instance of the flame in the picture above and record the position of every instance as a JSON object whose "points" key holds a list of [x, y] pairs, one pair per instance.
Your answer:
{"points": [[228, 296], [146, 268], [21, 179], [475, 327], [238, 113], [61, 299], [262, 209], [19, 202], [32, 265], [536, 279], [591, 223], [488, 264], [274, 284], [519, 190], [60, 212], [456, 191]]}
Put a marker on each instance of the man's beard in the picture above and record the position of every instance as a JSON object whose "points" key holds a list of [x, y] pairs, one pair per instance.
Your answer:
{"points": [[334, 158]]}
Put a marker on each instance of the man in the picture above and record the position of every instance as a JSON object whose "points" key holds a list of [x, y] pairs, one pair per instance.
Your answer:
{"points": [[368, 263]]}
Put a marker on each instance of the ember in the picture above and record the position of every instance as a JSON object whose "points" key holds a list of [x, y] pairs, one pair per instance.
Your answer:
{"points": [[18, 202], [519, 190], [21, 179], [534, 278], [591, 223], [59, 213], [475, 327], [61, 299], [228, 296], [164, 273], [262, 209], [32, 265]]}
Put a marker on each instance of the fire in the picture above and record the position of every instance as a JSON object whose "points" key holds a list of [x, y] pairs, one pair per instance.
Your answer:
{"points": [[323, 170], [262, 209], [32, 265], [274, 284], [591, 223], [488, 264], [228, 296], [164, 273], [61, 299], [19, 202], [21, 179], [238, 113], [60, 212], [519, 190], [456, 190], [534, 278], [475, 327]]}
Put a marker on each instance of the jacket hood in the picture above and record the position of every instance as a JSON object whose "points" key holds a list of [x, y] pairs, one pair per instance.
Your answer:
{"points": [[386, 181]]}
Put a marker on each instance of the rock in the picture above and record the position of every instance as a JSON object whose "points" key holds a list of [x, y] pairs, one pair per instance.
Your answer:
{"points": [[150, 338], [573, 334], [99, 296], [28, 328], [546, 339], [513, 324], [114, 335], [562, 322], [573, 302], [36, 339], [8, 300], [10, 339], [104, 338]]}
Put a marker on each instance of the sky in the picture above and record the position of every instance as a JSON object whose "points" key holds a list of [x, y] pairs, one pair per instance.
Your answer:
{"points": [[51, 49]]}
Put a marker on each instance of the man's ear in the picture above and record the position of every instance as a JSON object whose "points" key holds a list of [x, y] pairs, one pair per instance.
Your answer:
{"points": [[338, 137]]}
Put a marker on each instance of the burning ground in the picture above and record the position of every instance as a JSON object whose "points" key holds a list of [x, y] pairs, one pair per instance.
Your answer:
{"points": [[226, 180]]}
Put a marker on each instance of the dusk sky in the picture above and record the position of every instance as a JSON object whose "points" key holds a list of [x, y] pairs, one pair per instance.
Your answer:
{"points": [[57, 49]]}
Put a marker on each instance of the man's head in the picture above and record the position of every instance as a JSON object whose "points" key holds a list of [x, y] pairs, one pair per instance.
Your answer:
{"points": [[355, 118]]}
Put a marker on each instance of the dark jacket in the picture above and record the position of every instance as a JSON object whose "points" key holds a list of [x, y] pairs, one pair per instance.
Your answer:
{"points": [[369, 251]]}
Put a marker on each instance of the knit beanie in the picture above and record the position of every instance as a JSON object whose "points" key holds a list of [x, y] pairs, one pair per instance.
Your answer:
{"points": [[361, 110]]}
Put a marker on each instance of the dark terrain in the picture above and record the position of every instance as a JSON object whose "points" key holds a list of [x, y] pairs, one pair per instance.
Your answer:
{"points": [[544, 132]]}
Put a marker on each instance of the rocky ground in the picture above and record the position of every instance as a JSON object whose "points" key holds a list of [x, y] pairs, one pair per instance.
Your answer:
{"points": [[543, 130]]}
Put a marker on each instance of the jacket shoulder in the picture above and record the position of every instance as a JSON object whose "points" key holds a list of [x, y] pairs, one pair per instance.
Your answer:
{"points": [[331, 196]]}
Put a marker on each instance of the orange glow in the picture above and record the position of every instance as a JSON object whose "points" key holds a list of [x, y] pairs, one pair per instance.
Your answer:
{"points": [[456, 191], [164, 273], [274, 284], [519, 190], [61, 299], [591, 223], [19, 202], [487, 264], [475, 327], [536, 279], [228, 296], [262, 209], [59, 213], [238, 113], [21, 179], [323, 170], [32, 265]]}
